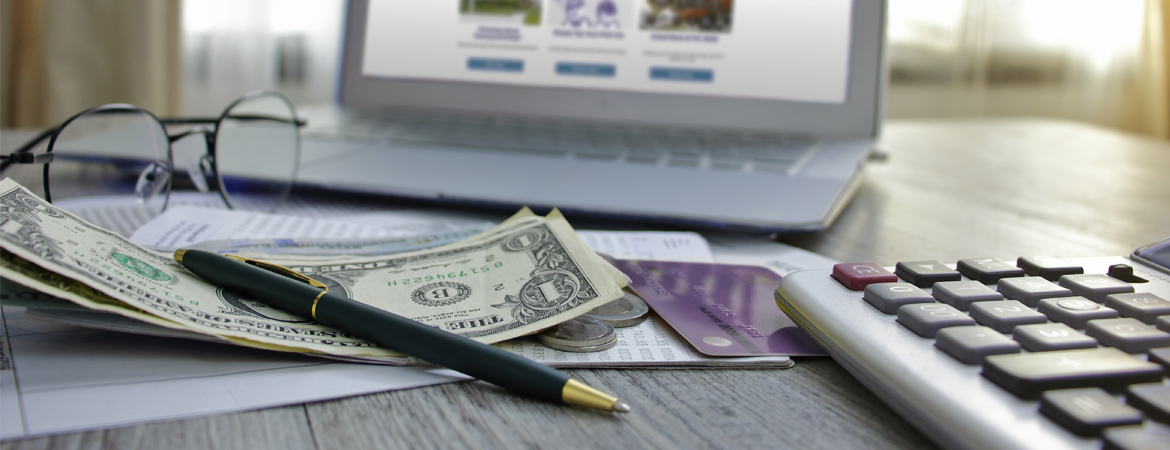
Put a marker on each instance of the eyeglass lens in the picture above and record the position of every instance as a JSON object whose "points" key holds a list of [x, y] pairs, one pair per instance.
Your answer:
{"points": [[133, 141], [257, 152]]}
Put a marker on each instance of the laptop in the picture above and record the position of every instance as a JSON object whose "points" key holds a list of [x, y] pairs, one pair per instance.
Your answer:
{"points": [[738, 114]]}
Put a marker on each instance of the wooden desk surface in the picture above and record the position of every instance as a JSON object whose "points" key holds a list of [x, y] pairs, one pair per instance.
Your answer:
{"points": [[949, 190]]}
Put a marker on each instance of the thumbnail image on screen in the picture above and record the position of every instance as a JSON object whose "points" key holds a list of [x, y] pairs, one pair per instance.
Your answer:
{"points": [[501, 12], [590, 14], [713, 16]]}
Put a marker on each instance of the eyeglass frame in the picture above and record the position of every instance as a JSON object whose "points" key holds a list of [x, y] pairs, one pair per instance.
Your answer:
{"points": [[22, 156]]}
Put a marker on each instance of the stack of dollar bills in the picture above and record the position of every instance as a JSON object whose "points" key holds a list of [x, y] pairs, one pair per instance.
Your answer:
{"points": [[526, 274]]}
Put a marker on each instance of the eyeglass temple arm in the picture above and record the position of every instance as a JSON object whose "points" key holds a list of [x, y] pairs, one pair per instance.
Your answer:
{"points": [[22, 156]]}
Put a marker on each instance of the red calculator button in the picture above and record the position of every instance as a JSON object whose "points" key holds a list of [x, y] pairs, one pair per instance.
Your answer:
{"points": [[856, 276]]}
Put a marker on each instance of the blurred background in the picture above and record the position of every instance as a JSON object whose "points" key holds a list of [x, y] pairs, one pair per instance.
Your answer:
{"points": [[1103, 62]]}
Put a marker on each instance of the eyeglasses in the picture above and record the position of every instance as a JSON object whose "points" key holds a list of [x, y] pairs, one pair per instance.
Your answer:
{"points": [[253, 150]]}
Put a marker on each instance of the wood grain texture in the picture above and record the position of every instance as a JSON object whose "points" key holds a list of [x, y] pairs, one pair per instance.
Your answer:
{"points": [[949, 190], [964, 189], [276, 428], [672, 409]]}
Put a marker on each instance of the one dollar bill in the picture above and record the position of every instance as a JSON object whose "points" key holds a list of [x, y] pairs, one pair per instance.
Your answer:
{"points": [[526, 274]]}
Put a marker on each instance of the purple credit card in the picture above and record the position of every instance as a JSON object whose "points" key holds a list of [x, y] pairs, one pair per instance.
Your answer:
{"points": [[721, 309]]}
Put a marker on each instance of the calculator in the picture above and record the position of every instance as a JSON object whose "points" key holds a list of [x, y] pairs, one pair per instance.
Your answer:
{"points": [[1028, 352]]}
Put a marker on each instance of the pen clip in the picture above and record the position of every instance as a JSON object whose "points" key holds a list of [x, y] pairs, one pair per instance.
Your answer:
{"points": [[281, 270]]}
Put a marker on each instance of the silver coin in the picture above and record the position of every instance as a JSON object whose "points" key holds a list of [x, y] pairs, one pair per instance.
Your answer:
{"points": [[590, 349], [623, 312], [578, 333]]}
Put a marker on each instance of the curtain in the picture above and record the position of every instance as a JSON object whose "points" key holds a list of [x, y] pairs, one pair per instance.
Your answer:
{"points": [[63, 56], [1096, 61], [231, 47]]}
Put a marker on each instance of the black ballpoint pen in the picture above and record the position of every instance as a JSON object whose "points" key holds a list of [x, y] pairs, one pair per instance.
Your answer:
{"points": [[284, 289]]}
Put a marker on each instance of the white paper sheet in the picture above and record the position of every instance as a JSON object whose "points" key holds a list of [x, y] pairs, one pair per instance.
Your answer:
{"points": [[759, 250], [649, 245], [183, 226], [123, 215], [60, 378]]}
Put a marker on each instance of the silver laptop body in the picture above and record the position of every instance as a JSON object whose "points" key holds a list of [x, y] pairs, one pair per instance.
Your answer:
{"points": [[464, 106]]}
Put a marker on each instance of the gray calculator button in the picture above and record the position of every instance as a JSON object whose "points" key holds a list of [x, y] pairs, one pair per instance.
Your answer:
{"points": [[1152, 399], [1087, 412], [1005, 315], [888, 297], [1161, 356], [925, 273], [1074, 311], [1153, 436], [1049, 267], [1130, 335], [1163, 323], [961, 294], [1124, 272], [1047, 337], [988, 270], [1030, 290], [1028, 374], [971, 344], [1094, 286], [1141, 306], [925, 319]]}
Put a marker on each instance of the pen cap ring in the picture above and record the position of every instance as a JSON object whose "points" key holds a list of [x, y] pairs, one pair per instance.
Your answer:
{"points": [[276, 268], [273, 268]]}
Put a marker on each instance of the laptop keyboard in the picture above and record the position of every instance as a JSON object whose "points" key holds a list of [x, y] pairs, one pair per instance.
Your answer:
{"points": [[729, 151]]}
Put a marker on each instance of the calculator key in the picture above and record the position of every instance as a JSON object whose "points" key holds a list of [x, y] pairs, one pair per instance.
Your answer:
{"points": [[856, 276], [961, 294], [1047, 337], [1005, 315], [1094, 286], [1125, 273], [971, 344], [1050, 268], [1163, 323], [1030, 290], [1130, 335], [1153, 436], [927, 318], [1161, 356], [1074, 311], [888, 297], [1141, 306], [1152, 399], [925, 273], [1088, 411], [1028, 374], [988, 270]]}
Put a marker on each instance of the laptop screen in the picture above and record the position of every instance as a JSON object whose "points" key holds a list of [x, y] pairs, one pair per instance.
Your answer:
{"points": [[795, 50]]}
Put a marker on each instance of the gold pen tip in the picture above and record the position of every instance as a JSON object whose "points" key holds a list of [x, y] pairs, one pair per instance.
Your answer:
{"points": [[578, 393], [179, 255]]}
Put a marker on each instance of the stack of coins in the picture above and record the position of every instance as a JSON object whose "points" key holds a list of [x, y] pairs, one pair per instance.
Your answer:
{"points": [[594, 331], [582, 334], [623, 312]]}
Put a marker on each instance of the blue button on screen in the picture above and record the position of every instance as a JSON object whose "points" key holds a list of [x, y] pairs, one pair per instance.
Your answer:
{"points": [[682, 74], [586, 69], [497, 65]]}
